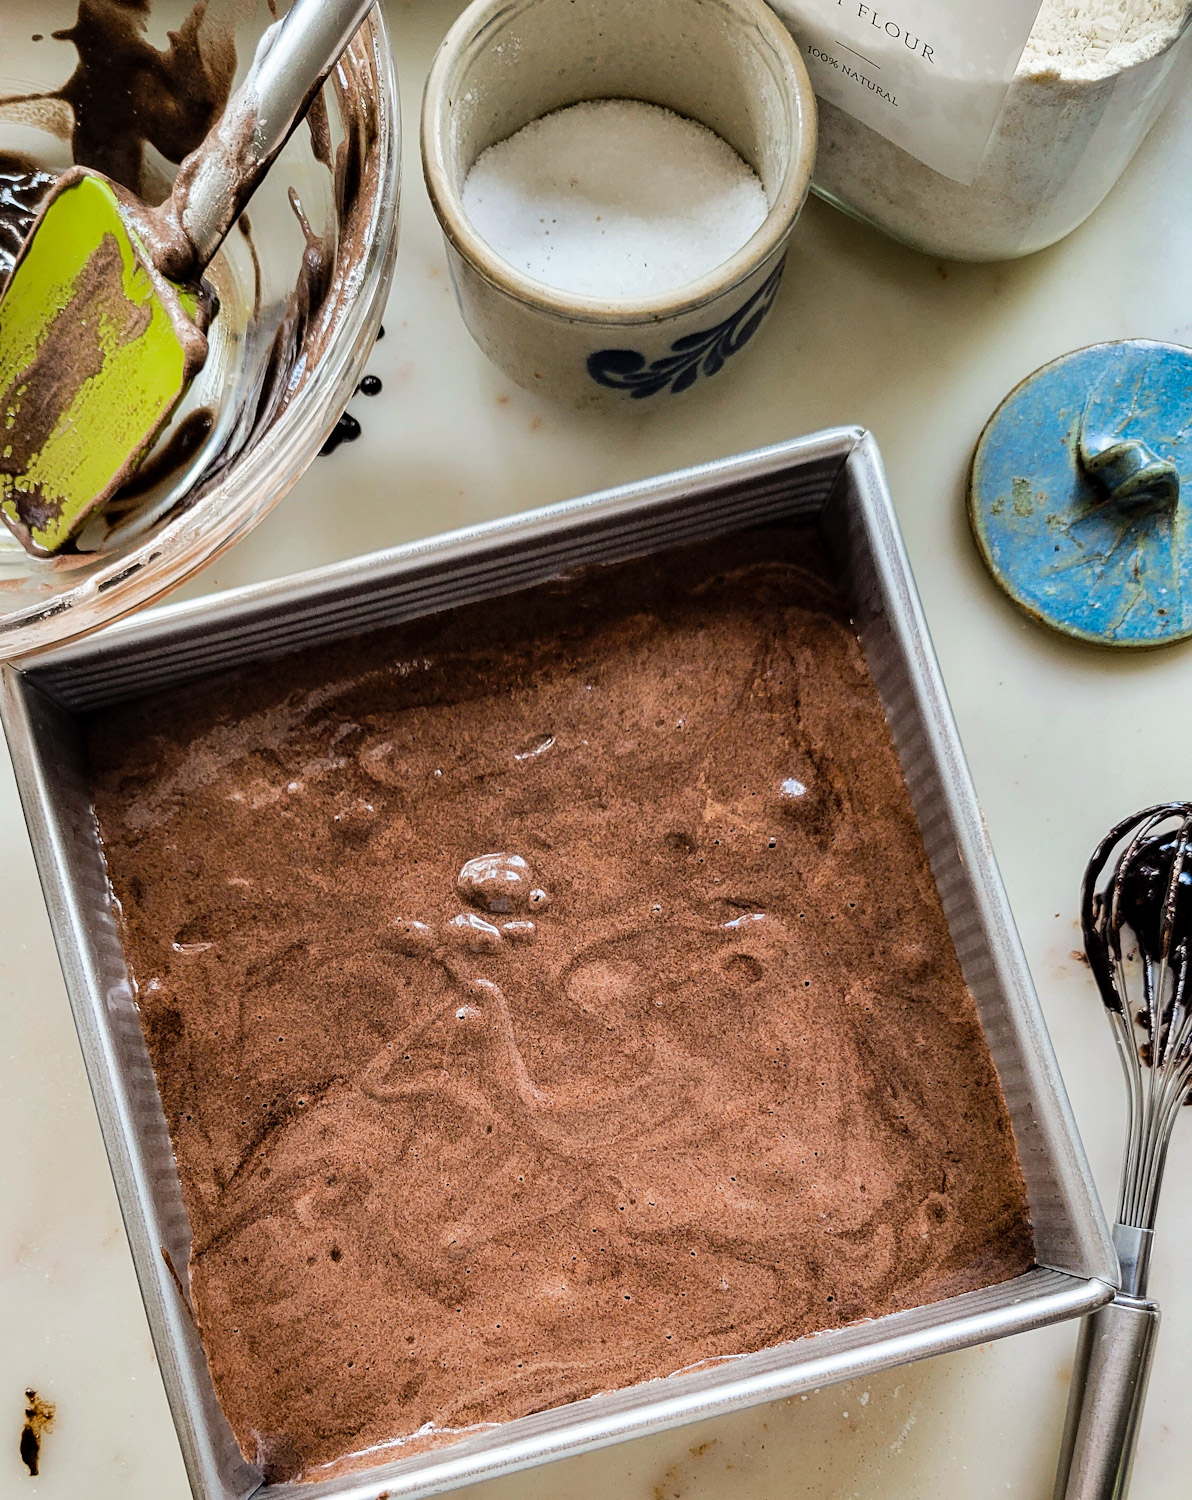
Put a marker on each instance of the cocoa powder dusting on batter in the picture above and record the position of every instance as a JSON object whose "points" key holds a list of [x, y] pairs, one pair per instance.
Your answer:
{"points": [[547, 996]]}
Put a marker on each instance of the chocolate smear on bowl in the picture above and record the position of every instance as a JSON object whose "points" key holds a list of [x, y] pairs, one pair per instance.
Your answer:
{"points": [[125, 95]]}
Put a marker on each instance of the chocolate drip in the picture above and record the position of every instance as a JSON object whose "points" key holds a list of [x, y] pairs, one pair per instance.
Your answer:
{"points": [[184, 442], [346, 430], [1144, 893]]}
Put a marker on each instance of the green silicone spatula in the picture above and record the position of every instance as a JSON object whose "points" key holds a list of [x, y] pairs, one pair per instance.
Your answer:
{"points": [[102, 320]]}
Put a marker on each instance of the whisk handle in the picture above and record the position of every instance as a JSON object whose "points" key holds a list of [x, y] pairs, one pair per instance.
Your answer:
{"points": [[1113, 1362]]}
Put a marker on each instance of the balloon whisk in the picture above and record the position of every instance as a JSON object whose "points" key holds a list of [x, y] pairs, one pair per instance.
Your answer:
{"points": [[1136, 912]]}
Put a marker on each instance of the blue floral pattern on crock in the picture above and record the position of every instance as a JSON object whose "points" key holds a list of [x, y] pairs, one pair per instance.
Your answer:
{"points": [[693, 354]]}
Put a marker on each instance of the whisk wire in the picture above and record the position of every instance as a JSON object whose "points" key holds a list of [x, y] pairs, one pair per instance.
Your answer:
{"points": [[1123, 1034], [1154, 1040]]}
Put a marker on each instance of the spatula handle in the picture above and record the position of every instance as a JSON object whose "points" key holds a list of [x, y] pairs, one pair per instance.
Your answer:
{"points": [[292, 61], [1113, 1362]]}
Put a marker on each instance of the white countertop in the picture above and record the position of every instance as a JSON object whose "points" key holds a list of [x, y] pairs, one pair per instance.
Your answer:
{"points": [[1062, 740]]}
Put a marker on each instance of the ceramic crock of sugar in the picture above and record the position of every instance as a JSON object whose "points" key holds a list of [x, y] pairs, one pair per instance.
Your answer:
{"points": [[727, 64]]}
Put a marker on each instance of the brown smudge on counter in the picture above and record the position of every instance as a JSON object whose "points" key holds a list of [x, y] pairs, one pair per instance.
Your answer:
{"points": [[39, 1418], [708, 1109]]}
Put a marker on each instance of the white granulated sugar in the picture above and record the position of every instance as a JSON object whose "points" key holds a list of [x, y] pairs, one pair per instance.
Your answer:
{"points": [[1091, 70], [614, 199]]}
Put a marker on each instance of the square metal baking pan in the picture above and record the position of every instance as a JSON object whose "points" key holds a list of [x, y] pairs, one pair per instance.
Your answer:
{"points": [[833, 480]]}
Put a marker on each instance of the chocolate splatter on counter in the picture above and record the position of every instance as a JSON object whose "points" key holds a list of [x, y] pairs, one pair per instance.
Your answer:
{"points": [[546, 996], [39, 1418], [348, 428]]}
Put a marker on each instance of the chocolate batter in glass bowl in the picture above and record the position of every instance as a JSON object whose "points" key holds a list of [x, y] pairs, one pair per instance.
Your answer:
{"points": [[131, 87]]}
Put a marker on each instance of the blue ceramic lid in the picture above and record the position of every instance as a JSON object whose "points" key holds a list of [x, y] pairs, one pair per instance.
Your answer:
{"points": [[1079, 492]]}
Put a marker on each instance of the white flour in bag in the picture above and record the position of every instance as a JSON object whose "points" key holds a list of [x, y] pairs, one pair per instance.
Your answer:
{"points": [[1086, 89], [1087, 40]]}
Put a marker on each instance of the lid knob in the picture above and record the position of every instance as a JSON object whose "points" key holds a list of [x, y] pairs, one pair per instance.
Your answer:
{"points": [[1074, 494], [1128, 471]]}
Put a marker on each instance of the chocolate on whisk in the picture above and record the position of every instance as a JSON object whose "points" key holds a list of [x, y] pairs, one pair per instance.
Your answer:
{"points": [[1139, 880], [1148, 885], [1147, 890]]}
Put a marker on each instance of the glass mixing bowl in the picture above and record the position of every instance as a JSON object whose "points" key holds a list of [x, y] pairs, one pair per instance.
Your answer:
{"points": [[128, 86]]}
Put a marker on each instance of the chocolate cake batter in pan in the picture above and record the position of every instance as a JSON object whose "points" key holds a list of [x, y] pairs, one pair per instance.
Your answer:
{"points": [[552, 994]]}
